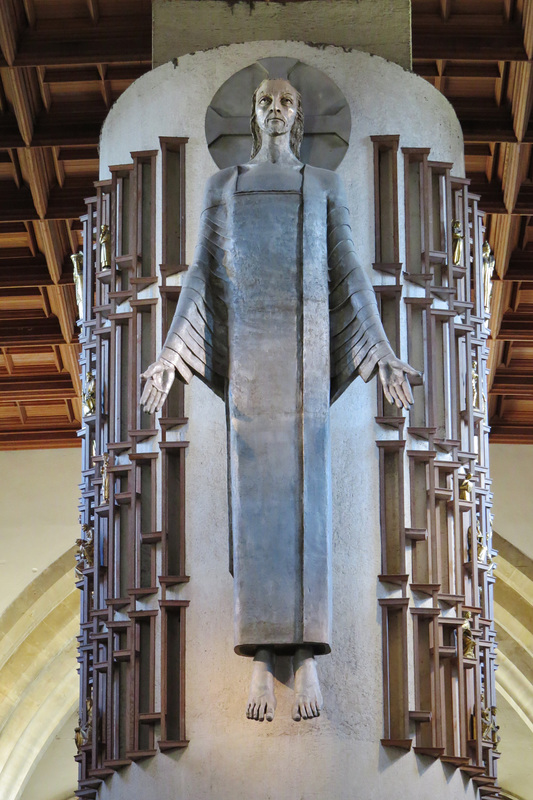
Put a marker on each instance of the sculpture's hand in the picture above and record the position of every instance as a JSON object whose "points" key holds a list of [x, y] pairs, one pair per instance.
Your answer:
{"points": [[159, 378], [394, 375]]}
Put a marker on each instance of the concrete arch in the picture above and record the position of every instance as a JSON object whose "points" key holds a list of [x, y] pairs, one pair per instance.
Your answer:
{"points": [[513, 611], [37, 671]]}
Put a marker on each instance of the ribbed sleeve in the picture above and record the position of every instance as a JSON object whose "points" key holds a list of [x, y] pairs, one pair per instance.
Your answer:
{"points": [[357, 337], [197, 341]]}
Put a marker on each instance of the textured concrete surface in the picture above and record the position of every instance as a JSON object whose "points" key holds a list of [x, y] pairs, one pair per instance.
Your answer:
{"points": [[381, 27], [338, 756], [511, 467], [39, 507]]}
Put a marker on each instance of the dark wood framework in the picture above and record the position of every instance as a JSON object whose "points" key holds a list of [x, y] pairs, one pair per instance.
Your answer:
{"points": [[132, 615], [436, 530]]}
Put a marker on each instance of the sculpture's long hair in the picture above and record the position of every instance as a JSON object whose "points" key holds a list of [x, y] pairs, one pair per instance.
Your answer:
{"points": [[297, 130]]}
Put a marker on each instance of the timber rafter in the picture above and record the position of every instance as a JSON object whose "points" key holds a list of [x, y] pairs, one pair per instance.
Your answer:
{"points": [[62, 66], [478, 54]]}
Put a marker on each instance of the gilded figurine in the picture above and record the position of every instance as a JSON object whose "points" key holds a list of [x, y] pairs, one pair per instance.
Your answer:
{"points": [[475, 378], [86, 545], [272, 232], [486, 724], [89, 723], [481, 546], [469, 643], [77, 263], [105, 477], [489, 728], [80, 738], [465, 487], [489, 262], [105, 247], [89, 395], [457, 242], [496, 738]]}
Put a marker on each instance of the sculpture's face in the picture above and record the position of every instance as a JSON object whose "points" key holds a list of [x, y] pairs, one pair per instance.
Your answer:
{"points": [[275, 107]]}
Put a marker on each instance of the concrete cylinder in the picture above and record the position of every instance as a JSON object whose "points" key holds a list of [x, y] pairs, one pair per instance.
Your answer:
{"points": [[338, 755]]}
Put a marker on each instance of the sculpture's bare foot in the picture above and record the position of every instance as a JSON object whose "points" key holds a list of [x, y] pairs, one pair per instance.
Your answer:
{"points": [[307, 694], [261, 700]]}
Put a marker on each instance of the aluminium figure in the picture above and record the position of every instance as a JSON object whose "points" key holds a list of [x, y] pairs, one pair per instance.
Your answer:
{"points": [[277, 317]]}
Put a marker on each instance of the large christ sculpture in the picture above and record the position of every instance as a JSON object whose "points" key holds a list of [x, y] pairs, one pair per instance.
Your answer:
{"points": [[277, 317]]}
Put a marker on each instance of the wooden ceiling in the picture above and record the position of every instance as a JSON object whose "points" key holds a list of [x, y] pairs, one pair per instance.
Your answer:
{"points": [[478, 54], [62, 65]]}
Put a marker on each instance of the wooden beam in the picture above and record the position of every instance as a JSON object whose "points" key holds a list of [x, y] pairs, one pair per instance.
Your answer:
{"points": [[491, 195], [41, 387], [29, 8], [25, 97], [522, 97], [90, 74], [464, 39], [39, 438], [80, 154], [520, 266], [482, 69], [54, 244], [105, 86], [31, 332], [426, 69], [17, 172], [112, 39], [509, 433], [45, 89], [38, 172], [63, 304], [70, 355], [10, 24], [9, 130], [445, 9], [32, 240], [94, 11], [524, 200], [59, 166], [67, 202], [483, 121], [70, 124], [24, 273], [516, 327], [513, 382]]}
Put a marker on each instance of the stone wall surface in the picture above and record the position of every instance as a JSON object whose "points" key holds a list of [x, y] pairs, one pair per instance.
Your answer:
{"points": [[381, 27], [338, 756]]}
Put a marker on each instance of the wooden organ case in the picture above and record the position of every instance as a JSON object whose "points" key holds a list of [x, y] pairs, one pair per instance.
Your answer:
{"points": [[131, 568], [435, 499], [435, 490]]}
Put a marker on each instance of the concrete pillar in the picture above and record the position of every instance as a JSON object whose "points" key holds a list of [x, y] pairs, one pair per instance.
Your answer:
{"points": [[380, 27]]}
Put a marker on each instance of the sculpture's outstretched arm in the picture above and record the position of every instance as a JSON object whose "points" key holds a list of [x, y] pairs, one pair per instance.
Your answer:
{"points": [[395, 376], [159, 378], [196, 343], [359, 344]]}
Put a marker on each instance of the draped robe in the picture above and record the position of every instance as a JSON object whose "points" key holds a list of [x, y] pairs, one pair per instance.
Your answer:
{"points": [[277, 317]]}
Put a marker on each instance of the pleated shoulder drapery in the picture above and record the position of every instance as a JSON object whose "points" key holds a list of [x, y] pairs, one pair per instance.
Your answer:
{"points": [[277, 317]]}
